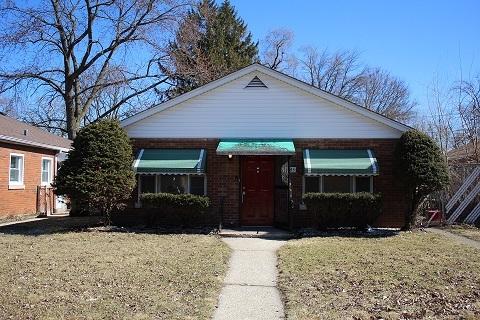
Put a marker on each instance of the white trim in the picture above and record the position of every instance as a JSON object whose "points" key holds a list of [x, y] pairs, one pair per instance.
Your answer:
{"points": [[50, 173], [200, 158], [277, 75], [21, 173], [32, 143], [137, 161], [372, 161], [309, 164]]}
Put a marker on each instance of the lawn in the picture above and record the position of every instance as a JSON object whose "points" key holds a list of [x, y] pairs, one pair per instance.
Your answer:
{"points": [[408, 276], [470, 232], [110, 275]]}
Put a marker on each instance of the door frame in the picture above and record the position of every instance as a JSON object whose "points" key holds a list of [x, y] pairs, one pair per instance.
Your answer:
{"points": [[242, 163]]}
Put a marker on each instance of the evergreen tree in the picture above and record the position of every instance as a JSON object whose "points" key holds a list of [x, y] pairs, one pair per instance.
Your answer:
{"points": [[97, 175], [420, 166], [212, 41]]}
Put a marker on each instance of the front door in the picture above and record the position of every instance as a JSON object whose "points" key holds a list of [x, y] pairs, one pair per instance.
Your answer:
{"points": [[257, 190]]}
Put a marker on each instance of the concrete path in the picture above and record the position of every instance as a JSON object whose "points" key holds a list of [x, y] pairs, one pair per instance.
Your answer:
{"points": [[457, 237], [250, 287]]}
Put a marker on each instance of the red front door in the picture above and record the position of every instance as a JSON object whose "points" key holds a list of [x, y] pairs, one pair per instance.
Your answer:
{"points": [[257, 190]]}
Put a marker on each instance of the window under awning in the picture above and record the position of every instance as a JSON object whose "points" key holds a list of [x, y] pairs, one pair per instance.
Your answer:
{"points": [[171, 161], [256, 147], [340, 162]]}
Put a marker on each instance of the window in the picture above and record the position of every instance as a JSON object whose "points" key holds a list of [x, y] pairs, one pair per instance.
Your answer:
{"points": [[16, 169], [363, 184], [147, 183], [197, 185], [312, 184], [46, 171], [337, 184], [177, 184]]}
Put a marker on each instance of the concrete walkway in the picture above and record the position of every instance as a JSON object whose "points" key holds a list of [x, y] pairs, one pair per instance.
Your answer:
{"points": [[250, 287], [456, 237]]}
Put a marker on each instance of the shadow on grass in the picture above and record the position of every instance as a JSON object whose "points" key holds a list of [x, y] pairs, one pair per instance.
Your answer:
{"points": [[348, 233], [57, 225], [51, 225]]}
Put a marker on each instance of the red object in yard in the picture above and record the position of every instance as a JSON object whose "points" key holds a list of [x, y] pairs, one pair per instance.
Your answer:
{"points": [[434, 216]]}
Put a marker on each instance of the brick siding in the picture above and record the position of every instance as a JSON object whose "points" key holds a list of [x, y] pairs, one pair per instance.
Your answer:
{"points": [[223, 176], [21, 201]]}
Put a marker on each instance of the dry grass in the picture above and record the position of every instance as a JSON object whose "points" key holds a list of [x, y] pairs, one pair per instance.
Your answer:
{"points": [[108, 275], [18, 217], [408, 276], [470, 232]]}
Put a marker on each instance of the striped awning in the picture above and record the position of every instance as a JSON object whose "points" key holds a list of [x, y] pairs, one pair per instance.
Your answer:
{"points": [[171, 161], [340, 162]]}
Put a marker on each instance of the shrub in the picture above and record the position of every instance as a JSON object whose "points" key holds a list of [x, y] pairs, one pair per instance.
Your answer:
{"points": [[421, 168], [97, 175], [344, 209], [187, 207]]}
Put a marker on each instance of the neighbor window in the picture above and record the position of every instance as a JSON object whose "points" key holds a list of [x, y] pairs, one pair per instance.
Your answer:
{"points": [[342, 184], [172, 183], [16, 169], [46, 171]]}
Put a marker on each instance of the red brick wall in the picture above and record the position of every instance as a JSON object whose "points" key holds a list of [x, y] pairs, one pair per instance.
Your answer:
{"points": [[21, 201], [223, 185]]}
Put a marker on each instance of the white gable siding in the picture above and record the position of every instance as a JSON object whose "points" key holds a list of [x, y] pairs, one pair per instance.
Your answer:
{"points": [[283, 111]]}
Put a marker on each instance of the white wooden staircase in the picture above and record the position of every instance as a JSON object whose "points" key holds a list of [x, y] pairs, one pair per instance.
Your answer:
{"points": [[466, 195]]}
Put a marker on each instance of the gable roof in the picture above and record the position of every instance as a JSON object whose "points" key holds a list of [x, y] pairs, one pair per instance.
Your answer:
{"points": [[17, 132], [277, 75]]}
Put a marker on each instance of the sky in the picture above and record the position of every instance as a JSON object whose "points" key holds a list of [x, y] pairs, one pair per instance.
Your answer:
{"points": [[417, 41]]}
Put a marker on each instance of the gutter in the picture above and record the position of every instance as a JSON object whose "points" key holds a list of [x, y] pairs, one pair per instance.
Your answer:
{"points": [[32, 143]]}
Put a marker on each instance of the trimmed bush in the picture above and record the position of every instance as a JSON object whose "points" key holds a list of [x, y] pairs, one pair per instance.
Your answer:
{"points": [[421, 168], [188, 208], [333, 210], [97, 176]]}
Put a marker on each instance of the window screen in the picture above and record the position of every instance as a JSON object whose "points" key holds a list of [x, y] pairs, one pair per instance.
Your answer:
{"points": [[175, 184], [362, 184], [312, 184], [16, 167], [197, 185], [147, 183], [336, 184]]}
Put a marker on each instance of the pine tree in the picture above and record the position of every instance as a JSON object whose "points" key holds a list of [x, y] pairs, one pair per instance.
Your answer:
{"points": [[211, 42]]}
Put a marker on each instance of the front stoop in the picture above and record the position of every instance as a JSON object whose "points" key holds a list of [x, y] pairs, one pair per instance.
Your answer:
{"points": [[256, 232]]}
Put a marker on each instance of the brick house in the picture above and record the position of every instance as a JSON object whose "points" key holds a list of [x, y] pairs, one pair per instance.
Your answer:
{"points": [[256, 140], [29, 159]]}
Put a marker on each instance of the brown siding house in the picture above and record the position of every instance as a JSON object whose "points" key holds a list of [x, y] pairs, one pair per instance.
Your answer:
{"points": [[29, 159], [256, 140]]}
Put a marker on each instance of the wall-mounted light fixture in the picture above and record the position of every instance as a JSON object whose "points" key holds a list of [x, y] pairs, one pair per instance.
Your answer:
{"points": [[230, 156]]}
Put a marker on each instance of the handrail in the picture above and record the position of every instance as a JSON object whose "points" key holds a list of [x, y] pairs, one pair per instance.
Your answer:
{"points": [[471, 195], [473, 216]]}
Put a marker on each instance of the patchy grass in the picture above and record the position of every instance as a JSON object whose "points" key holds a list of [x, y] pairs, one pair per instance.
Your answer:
{"points": [[408, 276], [109, 275], [468, 231]]}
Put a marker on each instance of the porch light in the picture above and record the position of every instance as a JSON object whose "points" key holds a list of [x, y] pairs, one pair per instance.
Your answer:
{"points": [[230, 156]]}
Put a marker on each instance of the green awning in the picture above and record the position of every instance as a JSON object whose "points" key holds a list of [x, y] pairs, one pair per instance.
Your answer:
{"points": [[171, 161], [256, 147], [340, 162]]}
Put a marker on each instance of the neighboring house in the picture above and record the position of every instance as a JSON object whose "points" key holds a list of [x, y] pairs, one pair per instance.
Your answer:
{"points": [[465, 154], [256, 140], [29, 158]]}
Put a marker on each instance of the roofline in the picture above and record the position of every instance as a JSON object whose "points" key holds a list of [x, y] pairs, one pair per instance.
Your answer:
{"points": [[19, 141], [279, 76]]}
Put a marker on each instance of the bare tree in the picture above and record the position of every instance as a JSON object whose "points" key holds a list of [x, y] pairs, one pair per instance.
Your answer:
{"points": [[275, 50], [468, 108], [72, 51], [342, 74], [381, 92]]}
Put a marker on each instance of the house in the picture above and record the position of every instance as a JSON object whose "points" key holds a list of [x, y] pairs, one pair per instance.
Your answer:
{"points": [[29, 159], [256, 140]]}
